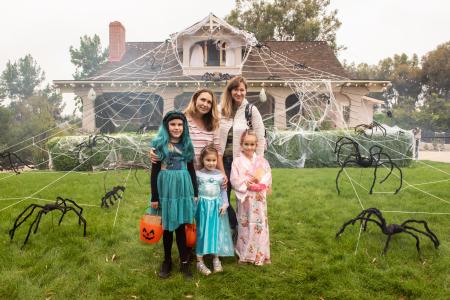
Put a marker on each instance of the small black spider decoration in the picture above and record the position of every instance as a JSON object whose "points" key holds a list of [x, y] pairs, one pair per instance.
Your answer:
{"points": [[143, 128], [113, 194], [63, 205], [300, 66], [10, 161], [361, 129], [374, 215], [377, 158], [260, 46], [90, 144]]}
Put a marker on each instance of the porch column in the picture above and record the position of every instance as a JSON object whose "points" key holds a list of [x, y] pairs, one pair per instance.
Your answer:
{"points": [[279, 94], [88, 115]]}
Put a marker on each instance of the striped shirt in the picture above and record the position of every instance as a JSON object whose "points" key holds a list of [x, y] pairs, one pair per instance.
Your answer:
{"points": [[200, 138]]}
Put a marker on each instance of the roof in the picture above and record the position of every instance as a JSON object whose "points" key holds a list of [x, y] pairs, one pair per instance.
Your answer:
{"points": [[273, 60]]}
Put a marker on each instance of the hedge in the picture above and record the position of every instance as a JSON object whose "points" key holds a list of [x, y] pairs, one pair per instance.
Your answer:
{"points": [[286, 149]]}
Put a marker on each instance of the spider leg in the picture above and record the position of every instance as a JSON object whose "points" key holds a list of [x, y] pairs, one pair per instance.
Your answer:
{"points": [[80, 209], [386, 246], [104, 203], [81, 219], [38, 217], [11, 163], [435, 242], [374, 178], [417, 239], [17, 223], [352, 221], [428, 232]]}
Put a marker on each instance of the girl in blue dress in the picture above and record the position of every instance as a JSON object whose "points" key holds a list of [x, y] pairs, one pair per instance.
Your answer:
{"points": [[213, 228], [174, 186]]}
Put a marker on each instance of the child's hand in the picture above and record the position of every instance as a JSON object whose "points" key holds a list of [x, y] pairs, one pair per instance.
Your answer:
{"points": [[195, 199], [153, 157], [223, 210], [155, 205], [225, 181]]}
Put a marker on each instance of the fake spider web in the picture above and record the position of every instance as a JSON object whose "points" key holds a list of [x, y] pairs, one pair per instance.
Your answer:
{"points": [[311, 112]]}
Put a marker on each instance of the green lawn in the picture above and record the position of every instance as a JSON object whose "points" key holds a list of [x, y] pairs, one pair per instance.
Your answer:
{"points": [[305, 213]]}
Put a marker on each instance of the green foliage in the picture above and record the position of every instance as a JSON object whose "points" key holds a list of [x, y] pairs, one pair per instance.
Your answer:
{"points": [[20, 79], [286, 148], [125, 148], [436, 70], [287, 20], [305, 213], [88, 58]]}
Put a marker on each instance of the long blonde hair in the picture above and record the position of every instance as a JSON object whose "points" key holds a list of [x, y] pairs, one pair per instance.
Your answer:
{"points": [[210, 119], [228, 109]]}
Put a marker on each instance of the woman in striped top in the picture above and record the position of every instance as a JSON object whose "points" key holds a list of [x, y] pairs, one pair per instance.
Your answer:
{"points": [[203, 119]]}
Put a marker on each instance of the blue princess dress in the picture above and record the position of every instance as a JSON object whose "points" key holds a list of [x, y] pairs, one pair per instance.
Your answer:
{"points": [[213, 229]]}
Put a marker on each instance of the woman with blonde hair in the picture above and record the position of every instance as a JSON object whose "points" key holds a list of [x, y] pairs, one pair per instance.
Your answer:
{"points": [[232, 124]]}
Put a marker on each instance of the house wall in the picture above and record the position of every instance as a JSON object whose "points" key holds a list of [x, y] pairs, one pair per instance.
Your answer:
{"points": [[361, 111]]}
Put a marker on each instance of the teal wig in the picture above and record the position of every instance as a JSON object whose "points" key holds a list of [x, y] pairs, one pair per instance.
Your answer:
{"points": [[161, 141]]}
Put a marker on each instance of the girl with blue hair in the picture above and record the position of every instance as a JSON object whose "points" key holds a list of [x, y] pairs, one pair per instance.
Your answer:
{"points": [[174, 186]]}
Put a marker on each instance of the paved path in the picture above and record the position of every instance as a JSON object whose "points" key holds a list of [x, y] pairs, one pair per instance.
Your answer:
{"points": [[441, 156]]}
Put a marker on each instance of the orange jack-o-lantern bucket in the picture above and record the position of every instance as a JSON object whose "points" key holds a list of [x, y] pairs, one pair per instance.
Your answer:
{"points": [[151, 229], [191, 234]]}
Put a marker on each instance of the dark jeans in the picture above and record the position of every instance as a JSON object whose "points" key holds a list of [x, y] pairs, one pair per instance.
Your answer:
{"points": [[227, 161]]}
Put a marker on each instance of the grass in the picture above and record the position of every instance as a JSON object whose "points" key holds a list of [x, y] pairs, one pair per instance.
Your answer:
{"points": [[305, 213]]}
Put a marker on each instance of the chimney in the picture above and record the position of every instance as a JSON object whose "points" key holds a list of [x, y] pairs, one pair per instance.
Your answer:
{"points": [[116, 41]]}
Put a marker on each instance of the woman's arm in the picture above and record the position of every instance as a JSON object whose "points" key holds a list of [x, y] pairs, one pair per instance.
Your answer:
{"points": [[259, 128]]}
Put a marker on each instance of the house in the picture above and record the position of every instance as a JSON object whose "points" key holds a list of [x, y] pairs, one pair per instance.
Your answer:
{"points": [[299, 81]]}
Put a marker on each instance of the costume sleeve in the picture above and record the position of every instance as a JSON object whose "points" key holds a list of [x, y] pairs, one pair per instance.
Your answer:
{"points": [[154, 181], [267, 178], [190, 167], [224, 196], [259, 128], [237, 177]]}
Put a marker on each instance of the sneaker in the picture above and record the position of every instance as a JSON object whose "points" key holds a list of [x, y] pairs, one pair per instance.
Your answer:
{"points": [[166, 267], [217, 266], [185, 270], [202, 268]]}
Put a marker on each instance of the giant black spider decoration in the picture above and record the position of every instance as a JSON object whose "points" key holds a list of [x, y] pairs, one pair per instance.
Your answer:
{"points": [[391, 229], [113, 194], [60, 204], [361, 129], [10, 161], [90, 144], [377, 158]]}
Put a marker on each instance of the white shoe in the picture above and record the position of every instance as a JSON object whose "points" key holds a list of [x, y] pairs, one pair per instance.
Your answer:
{"points": [[202, 268], [217, 265]]}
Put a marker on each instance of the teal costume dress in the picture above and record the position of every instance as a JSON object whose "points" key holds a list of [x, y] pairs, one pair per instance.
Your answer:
{"points": [[174, 188], [213, 229]]}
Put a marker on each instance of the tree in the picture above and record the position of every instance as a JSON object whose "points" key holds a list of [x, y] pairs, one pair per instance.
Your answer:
{"points": [[20, 79], [436, 70], [88, 58], [287, 20]]}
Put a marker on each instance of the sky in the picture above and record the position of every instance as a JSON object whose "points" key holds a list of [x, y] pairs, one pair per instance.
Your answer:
{"points": [[371, 30]]}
